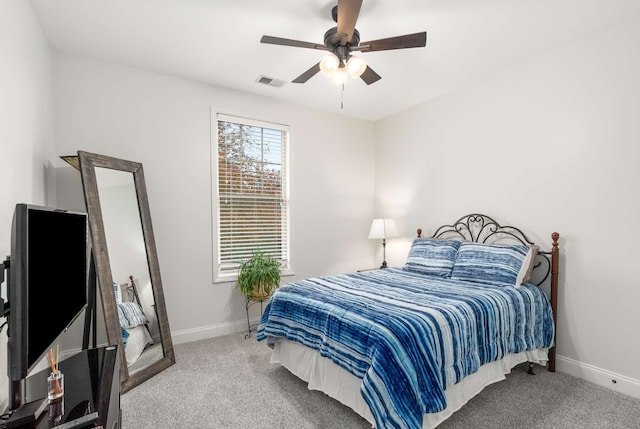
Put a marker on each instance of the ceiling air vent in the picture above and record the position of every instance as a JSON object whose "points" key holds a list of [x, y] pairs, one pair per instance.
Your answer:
{"points": [[270, 81]]}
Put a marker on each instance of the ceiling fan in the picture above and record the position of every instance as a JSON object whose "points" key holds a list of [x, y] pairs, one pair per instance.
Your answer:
{"points": [[344, 39]]}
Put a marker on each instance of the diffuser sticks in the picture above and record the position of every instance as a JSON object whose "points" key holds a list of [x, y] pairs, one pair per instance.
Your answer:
{"points": [[55, 381]]}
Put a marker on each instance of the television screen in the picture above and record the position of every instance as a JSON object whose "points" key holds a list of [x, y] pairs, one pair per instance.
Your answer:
{"points": [[47, 287]]}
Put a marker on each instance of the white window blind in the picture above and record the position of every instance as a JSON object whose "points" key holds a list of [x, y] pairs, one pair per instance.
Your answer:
{"points": [[253, 197]]}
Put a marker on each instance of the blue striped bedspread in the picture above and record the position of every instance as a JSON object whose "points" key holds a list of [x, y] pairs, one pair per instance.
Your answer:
{"points": [[406, 335]]}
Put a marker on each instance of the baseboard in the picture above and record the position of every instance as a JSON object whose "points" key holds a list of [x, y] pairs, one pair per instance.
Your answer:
{"points": [[189, 335], [204, 332], [599, 376]]}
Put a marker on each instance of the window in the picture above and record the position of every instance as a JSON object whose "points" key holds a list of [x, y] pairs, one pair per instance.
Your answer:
{"points": [[252, 192]]}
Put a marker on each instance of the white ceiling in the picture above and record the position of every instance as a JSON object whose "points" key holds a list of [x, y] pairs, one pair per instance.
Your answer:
{"points": [[218, 42]]}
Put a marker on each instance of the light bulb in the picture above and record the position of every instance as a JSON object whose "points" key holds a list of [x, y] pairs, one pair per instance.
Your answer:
{"points": [[340, 76], [329, 64], [356, 66]]}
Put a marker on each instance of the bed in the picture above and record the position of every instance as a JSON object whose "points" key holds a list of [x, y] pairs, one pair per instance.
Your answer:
{"points": [[133, 322], [407, 346]]}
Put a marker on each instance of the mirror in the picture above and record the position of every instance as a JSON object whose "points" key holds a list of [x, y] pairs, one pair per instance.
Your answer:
{"points": [[126, 265]]}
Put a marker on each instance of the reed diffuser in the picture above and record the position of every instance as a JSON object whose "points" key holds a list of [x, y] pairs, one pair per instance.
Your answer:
{"points": [[55, 381]]}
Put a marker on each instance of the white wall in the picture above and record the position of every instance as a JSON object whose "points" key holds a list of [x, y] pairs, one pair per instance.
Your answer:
{"points": [[552, 145], [26, 128], [164, 123]]}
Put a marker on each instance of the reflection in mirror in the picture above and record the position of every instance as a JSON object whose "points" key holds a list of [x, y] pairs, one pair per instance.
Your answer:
{"points": [[127, 266], [128, 257]]}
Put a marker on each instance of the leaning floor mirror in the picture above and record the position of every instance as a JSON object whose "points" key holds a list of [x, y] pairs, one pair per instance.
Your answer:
{"points": [[126, 265]]}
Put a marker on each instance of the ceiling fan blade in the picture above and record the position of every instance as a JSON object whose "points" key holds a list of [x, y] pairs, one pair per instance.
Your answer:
{"points": [[348, 11], [290, 42], [416, 40], [369, 76], [307, 75]]}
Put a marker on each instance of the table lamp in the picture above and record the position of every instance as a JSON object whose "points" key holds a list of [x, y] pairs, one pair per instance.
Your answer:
{"points": [[383, 228]]}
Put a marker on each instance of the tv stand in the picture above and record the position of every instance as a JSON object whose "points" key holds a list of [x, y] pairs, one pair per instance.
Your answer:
{"points": [[91, 391]]}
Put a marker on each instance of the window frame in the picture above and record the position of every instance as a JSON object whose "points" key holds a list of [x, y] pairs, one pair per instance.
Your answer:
{"points": [[222, 276]]}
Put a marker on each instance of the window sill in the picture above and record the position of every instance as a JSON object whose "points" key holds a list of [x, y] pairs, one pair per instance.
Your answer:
{"points": [[233, 277]]}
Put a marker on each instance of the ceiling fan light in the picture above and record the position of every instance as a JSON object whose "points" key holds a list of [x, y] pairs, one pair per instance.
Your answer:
{"points": [[329, 64], [356, 66], [340, 75]]}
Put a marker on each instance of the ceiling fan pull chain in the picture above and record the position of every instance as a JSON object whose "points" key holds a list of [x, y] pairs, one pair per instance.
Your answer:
{"points": [[342, 97]]}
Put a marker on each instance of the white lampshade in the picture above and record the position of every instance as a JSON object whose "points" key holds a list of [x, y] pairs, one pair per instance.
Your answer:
{"points": [[383, 228], [329, 64], [356, 66], [340, 76]]}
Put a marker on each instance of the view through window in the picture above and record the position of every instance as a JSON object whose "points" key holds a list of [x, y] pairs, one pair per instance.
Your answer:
{"points": [[253, 197]]}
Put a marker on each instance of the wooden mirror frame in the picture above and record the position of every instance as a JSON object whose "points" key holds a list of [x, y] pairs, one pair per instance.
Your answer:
{"points": [[88, 162]]}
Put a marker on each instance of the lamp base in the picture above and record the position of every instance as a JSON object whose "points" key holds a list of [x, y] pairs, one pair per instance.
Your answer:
{"points": [[384, 264]]}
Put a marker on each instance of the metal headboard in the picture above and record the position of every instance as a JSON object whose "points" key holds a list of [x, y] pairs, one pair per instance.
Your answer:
{"points": [[480, 228]]}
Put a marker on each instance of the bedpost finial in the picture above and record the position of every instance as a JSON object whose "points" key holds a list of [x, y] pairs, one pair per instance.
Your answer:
{"points": [[555, 236], [419, 232]]}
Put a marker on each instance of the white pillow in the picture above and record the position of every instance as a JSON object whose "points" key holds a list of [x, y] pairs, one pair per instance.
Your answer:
{"points": [[524, 275]]}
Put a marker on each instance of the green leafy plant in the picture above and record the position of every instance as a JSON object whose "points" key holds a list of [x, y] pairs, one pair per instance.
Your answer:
{"points": [[259, 276]]}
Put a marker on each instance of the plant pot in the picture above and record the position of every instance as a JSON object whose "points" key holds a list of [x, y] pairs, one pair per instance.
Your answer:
{"points": [[259, 294]]}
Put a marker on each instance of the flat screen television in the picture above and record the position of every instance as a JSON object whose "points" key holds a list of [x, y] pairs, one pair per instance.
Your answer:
{"points": [[47, 282]]}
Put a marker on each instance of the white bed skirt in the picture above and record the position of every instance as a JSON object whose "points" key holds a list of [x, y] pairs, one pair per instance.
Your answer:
{"points": [[324, 375]]}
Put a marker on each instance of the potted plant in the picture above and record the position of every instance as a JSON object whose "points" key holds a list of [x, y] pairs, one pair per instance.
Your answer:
{"points": [[259, 276]]}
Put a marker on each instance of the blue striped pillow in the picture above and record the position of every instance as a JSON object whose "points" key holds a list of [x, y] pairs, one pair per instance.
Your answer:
{"points": [[432, 256], [131, 315], [494, 264]]}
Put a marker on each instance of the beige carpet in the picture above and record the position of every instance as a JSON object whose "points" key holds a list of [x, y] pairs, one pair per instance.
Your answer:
{"points": [[228, 382]]}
